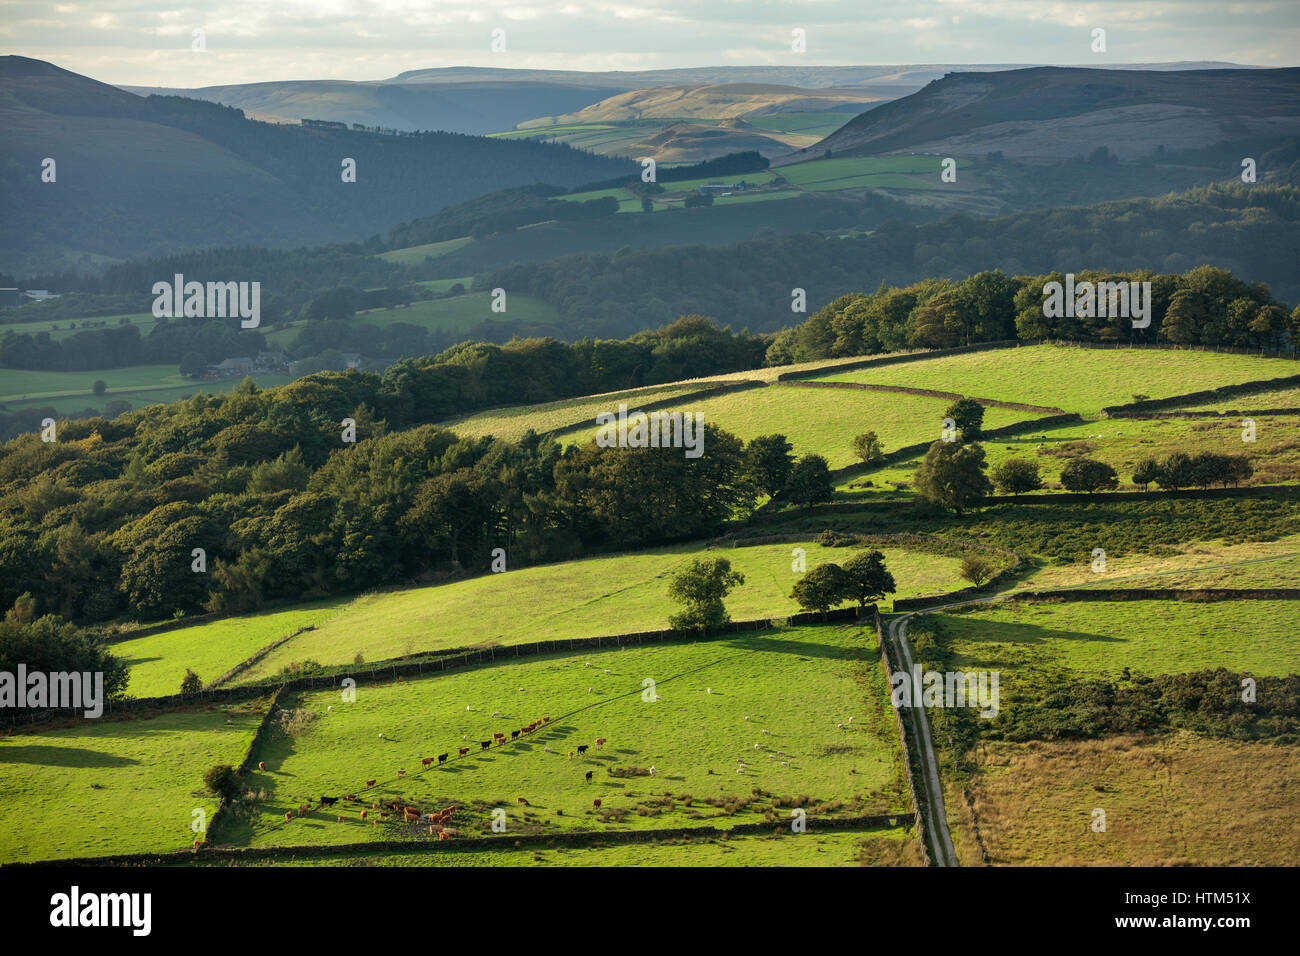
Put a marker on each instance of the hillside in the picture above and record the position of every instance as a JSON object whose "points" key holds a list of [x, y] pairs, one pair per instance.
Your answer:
{"points": [[1046, 114], [138, 176]]}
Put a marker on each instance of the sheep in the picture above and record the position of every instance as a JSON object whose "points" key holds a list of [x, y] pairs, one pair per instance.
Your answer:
{"points": [[747, 718], [607, 670], [381, 736], [547, 749], [330, 707], [653, 770], [767, 731], [590, 690], [496, 713], [588, 664], [708, 690]]}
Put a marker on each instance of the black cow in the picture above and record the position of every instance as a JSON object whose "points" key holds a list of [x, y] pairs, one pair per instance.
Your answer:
{"points": [[582, 748], [328, 801], [442, 758], [484, 744], [588, 776], [514, 734]]}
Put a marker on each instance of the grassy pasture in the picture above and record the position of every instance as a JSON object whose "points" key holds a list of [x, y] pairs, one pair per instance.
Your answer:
{"points": [[514, 421], [158, 661], [1275, 453], [825, 421], [115, 786], [1273, 398], [1075, 379], [797, 683], [889, 847], [1152, 637], [1174, 800], [140, 385], [586, 598], [415, 255], [62, 328]]}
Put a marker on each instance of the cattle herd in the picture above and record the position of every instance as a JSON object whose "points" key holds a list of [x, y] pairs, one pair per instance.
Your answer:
{"points": [[437, 822]]}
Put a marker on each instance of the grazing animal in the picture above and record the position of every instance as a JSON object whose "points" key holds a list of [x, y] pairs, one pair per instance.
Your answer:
{"points": [[496, 713], [199, 841], [401, 773], [261, 765], [443, 835], [302, 808], [653, 770], [352, 796], [582, 748], [514, 734], [600, 741], [442, 758], [370, 783], [546, 720], [497, 734], [425, 761], [288, 816], [328, 801], [596, 803], [462, 751], [484, 744], [547, 749], [570, 754], [523, 801], [342, 819], [364, 814], [767, 731], [588, 776]]}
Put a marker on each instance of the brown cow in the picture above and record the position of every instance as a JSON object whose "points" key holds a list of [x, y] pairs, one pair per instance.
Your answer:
{"points": [[303, 808], [261, 765], [425, 761], [342, 819], [600, 741], [463, 751], [523, 801], [370, 783], [401, 773], [596, 803], [199, 842], [364, 813], [352, 796], [288, 816]]}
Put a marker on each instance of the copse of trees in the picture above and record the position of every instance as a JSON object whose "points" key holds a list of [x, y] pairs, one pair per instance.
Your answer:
{"points": [[1088, 474], [1016, 476], [53, 645], [1202, 470], [862, 578], [952, 476]]}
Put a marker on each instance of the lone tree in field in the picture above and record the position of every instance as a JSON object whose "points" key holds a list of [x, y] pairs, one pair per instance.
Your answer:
{"points": [[223, 781], [968, 415], [866, 578], [952, 476], [191, 683], [810, 481], [700, 588], [976, 569], [1088, 474], [822, 588], [868, 448], [100, 386], [1016, 475], [768, 463]]}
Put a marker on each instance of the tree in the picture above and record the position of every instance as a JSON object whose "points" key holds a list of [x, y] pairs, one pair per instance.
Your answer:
{"points": [[768, 463], [698, 199], [1147, 471], [222, 780], [1088, 474], [968, 415], [700, 588], [191, 683], [193, 365], [1175, 472], [647, 205], [976, 569], [1017, 475], [952, 476], [810, 481], [100, 386], [866, 578], [868, 448], [822, 588]]}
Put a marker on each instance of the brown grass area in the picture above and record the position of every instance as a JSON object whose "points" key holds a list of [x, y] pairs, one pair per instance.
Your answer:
{"points": [[1173, 800], [890, 851]]}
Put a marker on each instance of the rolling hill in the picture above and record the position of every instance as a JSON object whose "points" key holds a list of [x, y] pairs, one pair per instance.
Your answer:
{"points": [[147, 175], [1049, 114]]}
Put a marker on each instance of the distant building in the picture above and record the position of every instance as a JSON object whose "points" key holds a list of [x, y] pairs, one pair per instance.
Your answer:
{"points": [[40, 294], [271, 362], [231, 366], [10, 297], [723, 188], [352, 359]]}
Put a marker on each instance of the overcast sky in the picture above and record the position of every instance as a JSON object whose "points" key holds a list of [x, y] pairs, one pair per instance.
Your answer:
{"points": [[147, 42]]}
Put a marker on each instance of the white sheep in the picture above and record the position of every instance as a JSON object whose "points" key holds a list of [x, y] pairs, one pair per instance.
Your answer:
{"points": [[653, 771], [591, 690], [767, 731], [496, 713], [607, 670], [708, 690]]}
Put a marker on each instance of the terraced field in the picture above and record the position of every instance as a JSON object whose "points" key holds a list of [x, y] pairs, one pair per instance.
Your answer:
{"points": [[140, 779], [773, 700], [1075, 379], [587, 598]]}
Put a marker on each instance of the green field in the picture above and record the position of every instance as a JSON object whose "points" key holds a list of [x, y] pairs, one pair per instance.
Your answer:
{"points": [[895, 846], [62, 328], [799, 684], [158, 661], [586, 598], [1075, 379], [115, 786], [138, 384], [415, 255], [825, 421], [1098, 639], [1273, 398], [512, 422]]}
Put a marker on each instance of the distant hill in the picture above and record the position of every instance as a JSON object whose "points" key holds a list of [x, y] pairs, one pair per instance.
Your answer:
{"points": [[487, 99], [719, 101], [1048, 114], [151, 175]]}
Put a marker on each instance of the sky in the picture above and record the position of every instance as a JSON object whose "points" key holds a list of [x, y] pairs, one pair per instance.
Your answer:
{"points": [[150, 42]]}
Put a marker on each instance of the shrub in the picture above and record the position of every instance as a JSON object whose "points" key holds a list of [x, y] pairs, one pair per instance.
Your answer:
{"points": [[1088, 474], [976, 569], [222, 780], [191, 683]]}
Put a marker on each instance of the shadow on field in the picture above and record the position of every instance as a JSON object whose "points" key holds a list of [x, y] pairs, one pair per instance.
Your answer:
{"points": [[61, 756], [799, 648]]}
